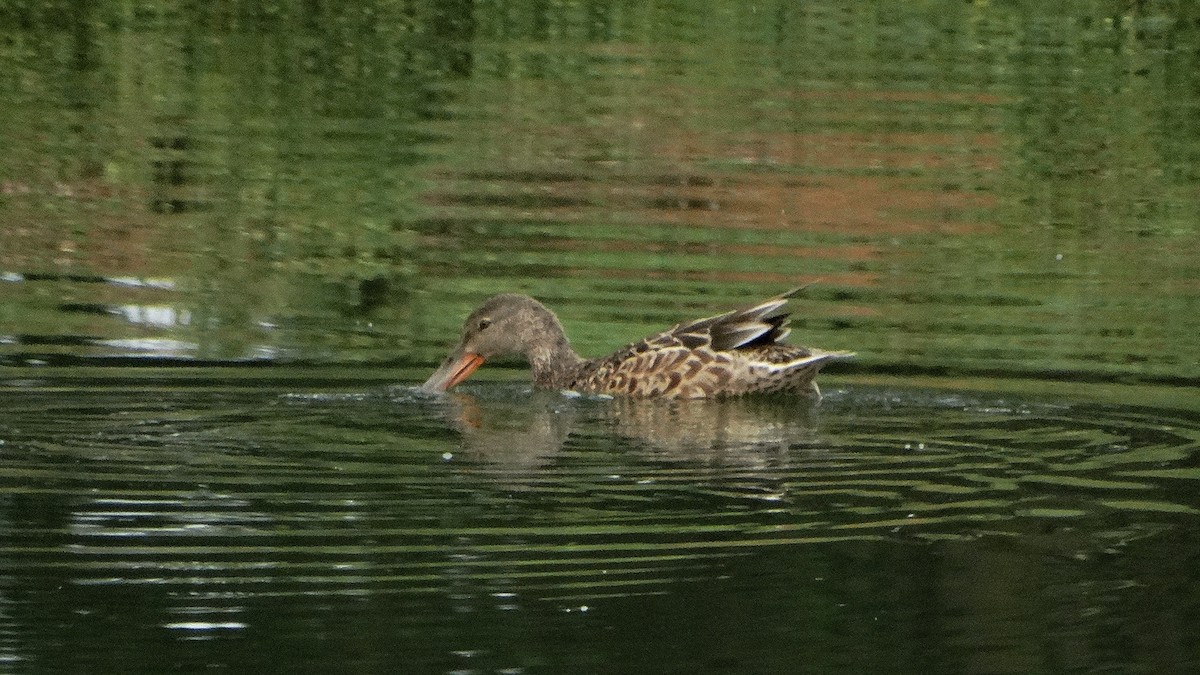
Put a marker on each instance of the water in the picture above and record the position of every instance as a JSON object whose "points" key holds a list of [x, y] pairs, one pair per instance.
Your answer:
{"points": [[978, 188], [247, 523], [233, 236]]}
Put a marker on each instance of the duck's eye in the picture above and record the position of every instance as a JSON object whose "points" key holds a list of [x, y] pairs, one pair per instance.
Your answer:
{"points": [[484, 323]]}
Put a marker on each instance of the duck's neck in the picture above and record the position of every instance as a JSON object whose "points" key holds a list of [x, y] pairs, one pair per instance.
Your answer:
{"points": [[554, 362]]}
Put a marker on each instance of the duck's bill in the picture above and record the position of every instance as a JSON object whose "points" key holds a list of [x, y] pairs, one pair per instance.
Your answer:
{"points": [[455, 369]]}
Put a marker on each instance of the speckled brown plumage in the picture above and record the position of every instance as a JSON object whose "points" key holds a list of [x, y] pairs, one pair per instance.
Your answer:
{"points": [[731, 354]]}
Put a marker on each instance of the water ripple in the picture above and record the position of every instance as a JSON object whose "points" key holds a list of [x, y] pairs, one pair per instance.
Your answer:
{"points": [[497, 495]]}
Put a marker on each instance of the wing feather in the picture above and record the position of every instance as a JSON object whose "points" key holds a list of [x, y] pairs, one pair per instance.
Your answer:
{"points": [[762, 324]]}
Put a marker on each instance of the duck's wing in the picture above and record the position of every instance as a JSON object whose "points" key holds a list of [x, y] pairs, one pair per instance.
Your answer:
{"points": [[734, 353], [760, 325], [755, 326]]}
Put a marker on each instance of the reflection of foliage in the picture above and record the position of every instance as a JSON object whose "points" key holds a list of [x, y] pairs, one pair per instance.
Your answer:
{"points": [[300, 164], [1097, 94], [263, 156], [361, 251]]}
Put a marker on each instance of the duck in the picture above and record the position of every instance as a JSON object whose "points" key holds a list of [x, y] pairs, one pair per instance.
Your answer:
{"points": [[736, 353]]}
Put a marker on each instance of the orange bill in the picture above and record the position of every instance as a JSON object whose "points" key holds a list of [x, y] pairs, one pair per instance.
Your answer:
{"points": [[455, 369]]}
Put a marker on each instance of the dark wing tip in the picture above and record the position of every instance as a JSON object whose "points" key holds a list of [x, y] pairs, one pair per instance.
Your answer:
{"points": [[694, 340]]}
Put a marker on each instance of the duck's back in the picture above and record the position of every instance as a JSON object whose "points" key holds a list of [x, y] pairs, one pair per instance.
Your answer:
{"points": [[731, 354]]}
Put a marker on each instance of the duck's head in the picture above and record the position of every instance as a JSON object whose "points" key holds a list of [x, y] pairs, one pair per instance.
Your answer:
{"points": [[505, 324]]}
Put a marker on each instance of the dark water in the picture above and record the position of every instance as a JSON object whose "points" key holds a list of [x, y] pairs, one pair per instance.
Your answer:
{"points": [[257, 523], [233, 234]]}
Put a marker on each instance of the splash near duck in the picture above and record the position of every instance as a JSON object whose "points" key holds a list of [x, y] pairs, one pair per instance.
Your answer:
{"points": [[732, 354]]}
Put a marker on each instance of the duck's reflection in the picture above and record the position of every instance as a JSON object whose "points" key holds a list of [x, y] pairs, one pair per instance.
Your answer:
{"points": [[521, 431], [736, 432], [515, 433]]}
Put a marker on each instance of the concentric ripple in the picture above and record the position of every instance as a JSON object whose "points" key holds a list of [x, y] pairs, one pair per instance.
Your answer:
{"points": [[498, 496]]}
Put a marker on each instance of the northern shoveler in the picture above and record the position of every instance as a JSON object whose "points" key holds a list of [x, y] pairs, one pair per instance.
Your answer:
{"points": [[738, 352]]}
